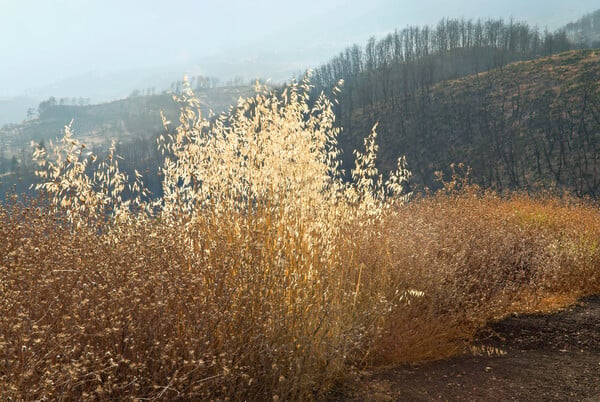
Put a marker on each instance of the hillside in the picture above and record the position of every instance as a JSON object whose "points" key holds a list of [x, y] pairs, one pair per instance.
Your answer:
{"points": [[532, 124], [134, 122], [125, 120]]}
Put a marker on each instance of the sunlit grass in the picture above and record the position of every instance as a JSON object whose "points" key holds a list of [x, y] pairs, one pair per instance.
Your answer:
{"points": [[262, 275]]}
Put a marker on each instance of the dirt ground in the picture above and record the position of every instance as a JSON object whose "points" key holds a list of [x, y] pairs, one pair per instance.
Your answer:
{"points": [[543, 357]]}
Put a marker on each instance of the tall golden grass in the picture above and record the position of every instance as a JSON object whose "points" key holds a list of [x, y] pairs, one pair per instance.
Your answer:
{"points": [[261, 275]]}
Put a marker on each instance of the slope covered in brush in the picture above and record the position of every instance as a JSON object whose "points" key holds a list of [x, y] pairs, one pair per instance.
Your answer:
{"points": [[532, 124]]}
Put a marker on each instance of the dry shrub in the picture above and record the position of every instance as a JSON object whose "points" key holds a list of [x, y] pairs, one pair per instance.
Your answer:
{"points": [[231, 285], [261, 274], [478, 257]]}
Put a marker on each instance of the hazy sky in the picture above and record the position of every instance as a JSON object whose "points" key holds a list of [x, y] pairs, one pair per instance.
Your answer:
{"points": [[45, 41]]}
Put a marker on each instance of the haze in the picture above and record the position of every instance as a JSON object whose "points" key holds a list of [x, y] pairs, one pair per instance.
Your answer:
{"points": [[103, 49]]}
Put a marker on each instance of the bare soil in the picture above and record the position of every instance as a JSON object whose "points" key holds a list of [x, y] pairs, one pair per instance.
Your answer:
{"points": [[540, 357]]}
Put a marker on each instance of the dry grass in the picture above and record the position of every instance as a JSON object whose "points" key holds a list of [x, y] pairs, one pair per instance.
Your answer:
{"points": [[261, 275], [479, 257]]}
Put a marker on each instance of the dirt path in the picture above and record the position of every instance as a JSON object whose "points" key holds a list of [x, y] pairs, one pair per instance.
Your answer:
{"points": [[534, 358]]}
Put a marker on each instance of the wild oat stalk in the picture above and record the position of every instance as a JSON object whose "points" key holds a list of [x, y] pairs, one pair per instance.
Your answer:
{"points": [[65, 173], [273, 238], [272, 151]]}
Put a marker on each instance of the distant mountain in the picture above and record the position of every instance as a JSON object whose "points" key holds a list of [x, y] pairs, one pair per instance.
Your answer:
{"points": [[126, 119], [106, 87]]}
